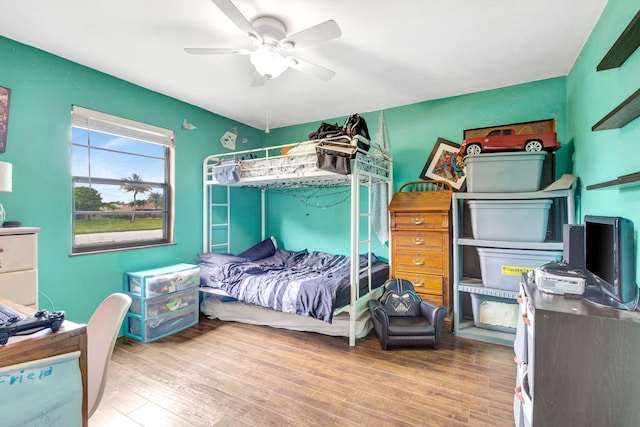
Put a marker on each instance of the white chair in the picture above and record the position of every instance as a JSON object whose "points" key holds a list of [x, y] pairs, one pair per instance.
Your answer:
{"points": [[102, 331]]}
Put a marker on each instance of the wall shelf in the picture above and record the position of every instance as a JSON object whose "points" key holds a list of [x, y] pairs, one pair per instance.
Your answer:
{"points": [[624, 47], [622, 181], [621, 50], [621, 115]]}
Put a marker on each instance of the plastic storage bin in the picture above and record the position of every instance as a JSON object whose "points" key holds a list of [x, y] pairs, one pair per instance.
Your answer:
{"points": [[510, 220], [163, 280], [164, 301], [504, 172], [498, 314], [146, 330], [503, 268], [157, 306]]}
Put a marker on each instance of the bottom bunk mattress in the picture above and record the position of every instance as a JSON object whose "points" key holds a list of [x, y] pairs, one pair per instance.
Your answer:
{"points": [[223, 308], [312, 284]]}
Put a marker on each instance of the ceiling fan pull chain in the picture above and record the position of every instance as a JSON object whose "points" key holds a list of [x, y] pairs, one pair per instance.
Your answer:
{"points": [[266, 129], [268, 85]]}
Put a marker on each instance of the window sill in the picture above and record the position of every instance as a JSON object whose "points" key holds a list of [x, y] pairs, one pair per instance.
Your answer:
{"points": [[128, 248]]}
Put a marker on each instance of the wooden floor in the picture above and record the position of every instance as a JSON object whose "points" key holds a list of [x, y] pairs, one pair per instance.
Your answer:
{"points": [[230, 374]]}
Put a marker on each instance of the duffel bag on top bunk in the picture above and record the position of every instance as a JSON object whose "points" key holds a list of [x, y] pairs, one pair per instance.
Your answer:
{"points": [[327, 130], [335, 157], [353, 126]]}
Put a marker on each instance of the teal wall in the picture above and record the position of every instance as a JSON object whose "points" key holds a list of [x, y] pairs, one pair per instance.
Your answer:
{"points": [[604, 155], [413, 131], [43, 88]]}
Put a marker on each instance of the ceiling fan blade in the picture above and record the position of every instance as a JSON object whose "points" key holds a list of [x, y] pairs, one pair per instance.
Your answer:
{"points": [[215, 51], [314, 69], [232, 12], [327, 30]]}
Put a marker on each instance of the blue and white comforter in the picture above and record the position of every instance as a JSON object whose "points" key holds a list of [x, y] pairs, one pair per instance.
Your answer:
{"points": [[304, 283]]}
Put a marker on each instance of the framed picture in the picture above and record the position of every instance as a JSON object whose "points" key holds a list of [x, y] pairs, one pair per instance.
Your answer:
{"points": [[444, 164], [5, 94]]}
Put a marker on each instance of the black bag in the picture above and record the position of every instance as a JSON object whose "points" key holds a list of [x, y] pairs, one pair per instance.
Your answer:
{"points": [[356, 125], [327, 130], [335, 157]]}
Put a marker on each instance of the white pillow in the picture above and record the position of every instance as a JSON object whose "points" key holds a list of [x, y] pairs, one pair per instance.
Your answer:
{"points": [[308, 147]]}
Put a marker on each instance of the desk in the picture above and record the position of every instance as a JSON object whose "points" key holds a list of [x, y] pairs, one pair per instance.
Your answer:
{"points": [[582, 359], [70, 337]]}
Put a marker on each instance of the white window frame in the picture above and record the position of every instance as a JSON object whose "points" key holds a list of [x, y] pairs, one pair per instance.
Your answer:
{"points": [[92, 120]]}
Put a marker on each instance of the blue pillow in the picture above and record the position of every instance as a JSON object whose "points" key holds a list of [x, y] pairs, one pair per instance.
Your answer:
{"points": [[220, 259], [264, 249]]}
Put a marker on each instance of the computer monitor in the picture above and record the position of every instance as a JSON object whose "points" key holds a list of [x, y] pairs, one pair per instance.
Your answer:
{"points": [[610, 260]]}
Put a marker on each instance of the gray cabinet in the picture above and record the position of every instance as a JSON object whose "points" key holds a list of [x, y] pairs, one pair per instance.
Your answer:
{"points": [[578, 363]]}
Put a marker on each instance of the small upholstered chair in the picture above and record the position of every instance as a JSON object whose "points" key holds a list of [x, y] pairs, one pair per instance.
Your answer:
{"points": [[400, 317]]}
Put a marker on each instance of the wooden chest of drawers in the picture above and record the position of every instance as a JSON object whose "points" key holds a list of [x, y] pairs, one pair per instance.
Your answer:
{"points": [[420, 240]]}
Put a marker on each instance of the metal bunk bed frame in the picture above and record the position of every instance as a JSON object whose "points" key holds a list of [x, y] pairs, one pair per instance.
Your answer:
{"points": [[358, 179]]}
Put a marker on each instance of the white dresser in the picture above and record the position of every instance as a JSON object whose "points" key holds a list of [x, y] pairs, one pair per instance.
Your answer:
{"points": [[19, 265]]}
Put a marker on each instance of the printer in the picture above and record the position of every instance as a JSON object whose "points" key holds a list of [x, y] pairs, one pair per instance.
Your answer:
{"points": [[556, 278]]}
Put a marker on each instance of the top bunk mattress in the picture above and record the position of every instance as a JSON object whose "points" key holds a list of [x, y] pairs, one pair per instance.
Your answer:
{"points": [[296, 164]]}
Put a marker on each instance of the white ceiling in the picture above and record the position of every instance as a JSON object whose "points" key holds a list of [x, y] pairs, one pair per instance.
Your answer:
{"points": [[391, 53]]}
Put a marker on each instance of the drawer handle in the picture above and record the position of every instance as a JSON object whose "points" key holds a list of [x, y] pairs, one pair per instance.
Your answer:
{"points": [[518, 392], [418, 282], [418, 261], [526, 320], [418, 241], [417, 221]]}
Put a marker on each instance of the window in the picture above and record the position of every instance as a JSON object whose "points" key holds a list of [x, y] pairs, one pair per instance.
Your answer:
{"points": [[122, 182]]}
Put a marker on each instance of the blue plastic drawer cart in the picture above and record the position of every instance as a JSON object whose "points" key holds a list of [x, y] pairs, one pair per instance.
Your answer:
{"points": [[164, 301]]}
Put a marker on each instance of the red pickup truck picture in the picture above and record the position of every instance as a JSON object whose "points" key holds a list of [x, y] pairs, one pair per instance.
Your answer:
{"points": [[508, 140]]}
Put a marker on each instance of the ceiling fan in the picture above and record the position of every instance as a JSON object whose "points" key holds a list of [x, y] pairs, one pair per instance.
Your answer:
{"points": [[271, 44]]}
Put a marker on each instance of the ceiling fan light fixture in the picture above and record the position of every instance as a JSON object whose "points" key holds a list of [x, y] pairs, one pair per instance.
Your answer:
{"points": [[268, 63]]}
